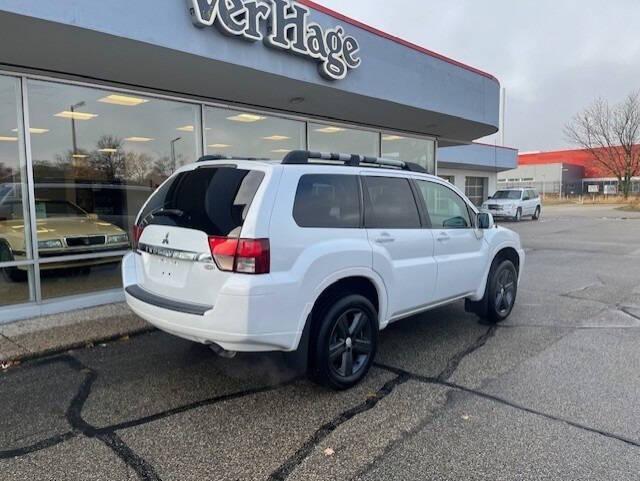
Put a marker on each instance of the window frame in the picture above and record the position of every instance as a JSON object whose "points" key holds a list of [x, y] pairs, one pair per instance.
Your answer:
{"points": [[368, 204], [361, 203], [472, 212]]}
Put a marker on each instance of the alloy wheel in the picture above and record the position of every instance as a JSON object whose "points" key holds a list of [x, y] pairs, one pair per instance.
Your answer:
{"points": [[350, 343], [505, 293]]}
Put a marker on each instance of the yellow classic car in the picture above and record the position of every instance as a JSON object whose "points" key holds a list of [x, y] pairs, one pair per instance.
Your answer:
{"points": [[63, 229]]}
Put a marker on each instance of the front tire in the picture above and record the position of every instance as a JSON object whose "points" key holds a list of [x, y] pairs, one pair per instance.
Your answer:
{"points": [[499, 294], [518, 216], [536, 215], [344, 342]]}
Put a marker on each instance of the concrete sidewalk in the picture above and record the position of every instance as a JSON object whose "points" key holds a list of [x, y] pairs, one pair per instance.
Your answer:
{"points": [[40, 336]]}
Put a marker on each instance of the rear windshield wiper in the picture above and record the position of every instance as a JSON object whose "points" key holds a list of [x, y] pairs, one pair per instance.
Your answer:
{"points": [[168, 213]]}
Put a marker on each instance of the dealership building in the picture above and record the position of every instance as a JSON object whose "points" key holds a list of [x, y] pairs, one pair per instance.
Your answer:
{"points": [[102, 101]]}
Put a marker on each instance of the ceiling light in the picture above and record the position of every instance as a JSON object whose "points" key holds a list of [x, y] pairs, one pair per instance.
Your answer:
{"points": [[219, 146], [330, 130], [246, 118], [125, 100], [8, 139], [66, 114], [281, 151], [79, 156], [34, 130], [138, 139], [392, 137], [186, 128], [109, 151], [276, 137]]}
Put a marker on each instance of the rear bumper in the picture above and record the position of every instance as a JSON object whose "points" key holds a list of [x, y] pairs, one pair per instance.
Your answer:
{"points": [[243, 323]]}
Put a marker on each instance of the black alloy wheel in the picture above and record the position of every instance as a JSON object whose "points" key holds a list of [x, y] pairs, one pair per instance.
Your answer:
{"points": [[536, 215], [502, 291], [345, 342]]}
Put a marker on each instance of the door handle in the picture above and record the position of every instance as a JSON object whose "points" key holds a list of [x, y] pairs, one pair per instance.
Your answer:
{"points": [[444, 237], [385, 238]]}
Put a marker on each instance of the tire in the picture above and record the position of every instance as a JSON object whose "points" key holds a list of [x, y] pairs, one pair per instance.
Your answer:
{"points": [[344, 342], [518, 216], [536, 215], [501, 292], [12, 274]]}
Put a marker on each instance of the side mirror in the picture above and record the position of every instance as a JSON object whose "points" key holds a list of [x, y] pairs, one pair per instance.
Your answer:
{"points": [[485, 221], [490, 197]]}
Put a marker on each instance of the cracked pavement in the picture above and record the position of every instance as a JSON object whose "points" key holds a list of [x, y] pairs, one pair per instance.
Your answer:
{"points": [[550, 394]]}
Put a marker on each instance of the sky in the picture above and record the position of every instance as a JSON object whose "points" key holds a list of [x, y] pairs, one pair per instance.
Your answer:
{"points": [[554, 57]]}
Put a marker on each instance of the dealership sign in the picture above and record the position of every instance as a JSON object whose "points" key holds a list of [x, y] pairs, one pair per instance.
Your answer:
{"points": [[287, 28]]}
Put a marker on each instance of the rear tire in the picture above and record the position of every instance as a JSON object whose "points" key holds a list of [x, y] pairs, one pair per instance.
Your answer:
{"points": [[344, 342], [536, 215]]}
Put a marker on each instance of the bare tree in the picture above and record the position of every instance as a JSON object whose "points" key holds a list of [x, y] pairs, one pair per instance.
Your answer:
{"points": [[612, 135]]}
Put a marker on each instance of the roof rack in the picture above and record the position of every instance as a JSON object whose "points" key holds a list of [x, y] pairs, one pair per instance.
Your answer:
{"points": [[208, 158], [298, 157]]}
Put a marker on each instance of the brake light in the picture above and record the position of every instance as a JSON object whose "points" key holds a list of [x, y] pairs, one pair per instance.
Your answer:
{"points": [[245, 256], [137, 233]]}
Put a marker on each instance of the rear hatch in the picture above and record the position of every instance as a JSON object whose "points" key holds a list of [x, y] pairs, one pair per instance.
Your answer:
{"points": [[177, 225]]}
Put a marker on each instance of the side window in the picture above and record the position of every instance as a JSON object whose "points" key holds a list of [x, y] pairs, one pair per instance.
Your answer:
{"points": [[533, 194], [446, 209], [327, 201], [390, 204]]}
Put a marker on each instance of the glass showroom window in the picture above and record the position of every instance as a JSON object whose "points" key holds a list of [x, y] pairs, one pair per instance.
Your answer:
{"points": [[241, 134], [410, 149], [97, 156], [15, 242], [329, 138], [475, 188]]}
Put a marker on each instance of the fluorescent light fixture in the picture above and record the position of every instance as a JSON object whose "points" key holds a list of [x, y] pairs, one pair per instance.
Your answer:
{"points": [[124, 100], [138, 139], [66, 114], [8, 139], [108, 151], [34, 130], [281, 151], [186, 128], [330, 130], [392, 137], [79, 156], [219, 146], [276, 137], [247, 118]]}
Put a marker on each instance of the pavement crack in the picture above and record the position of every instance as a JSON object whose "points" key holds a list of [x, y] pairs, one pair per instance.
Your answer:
{"points": [[325, 430], [38, 446], [505, 402], [455, 361], [142, 468]]}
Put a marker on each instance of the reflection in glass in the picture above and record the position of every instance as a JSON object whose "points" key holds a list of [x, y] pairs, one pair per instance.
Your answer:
{"points": [[238, 134], [15, 243], [73, 278], [409, 149], [97, 158], [14, 285], [329, 138]]}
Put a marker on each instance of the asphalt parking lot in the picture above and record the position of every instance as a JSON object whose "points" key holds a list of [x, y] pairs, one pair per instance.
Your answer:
{"points": [[551, 394]]}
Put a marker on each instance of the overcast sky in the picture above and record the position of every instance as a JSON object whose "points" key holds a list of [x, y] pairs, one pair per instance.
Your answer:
{"points": [[553, 56]]}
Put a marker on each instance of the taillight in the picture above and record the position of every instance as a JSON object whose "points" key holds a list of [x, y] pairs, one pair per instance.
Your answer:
{"points": [[137, 233], [245, 256]]}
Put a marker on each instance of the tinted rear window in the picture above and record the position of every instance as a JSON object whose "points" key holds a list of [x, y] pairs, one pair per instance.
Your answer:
{"points": [[329, 201], [214, 200], [391, 204]]}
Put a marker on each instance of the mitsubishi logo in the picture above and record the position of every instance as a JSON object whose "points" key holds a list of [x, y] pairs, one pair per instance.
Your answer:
{"points": [[165, 241]]}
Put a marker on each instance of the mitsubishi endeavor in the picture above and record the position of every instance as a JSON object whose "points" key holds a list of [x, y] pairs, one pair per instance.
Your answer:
{"points": [[316, 254]]}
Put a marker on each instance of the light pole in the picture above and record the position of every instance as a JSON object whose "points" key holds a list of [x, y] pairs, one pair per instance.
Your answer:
{"points": [[173, 153], [74, 141]]}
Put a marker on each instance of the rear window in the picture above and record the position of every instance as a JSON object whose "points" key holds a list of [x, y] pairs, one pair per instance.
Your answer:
{"points": [[214, 200], [391, 204], [327, 201]]}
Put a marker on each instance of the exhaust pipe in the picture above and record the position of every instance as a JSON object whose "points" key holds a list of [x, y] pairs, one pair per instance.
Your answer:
{"points": [[220, 351]]}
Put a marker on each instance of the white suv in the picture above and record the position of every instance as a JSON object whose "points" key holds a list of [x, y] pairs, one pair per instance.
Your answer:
{"points": [[514, 204], [314, 254]]}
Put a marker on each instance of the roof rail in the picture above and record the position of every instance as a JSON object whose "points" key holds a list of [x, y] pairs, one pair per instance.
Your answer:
{"points": [[297, 157], [208, 158]]}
